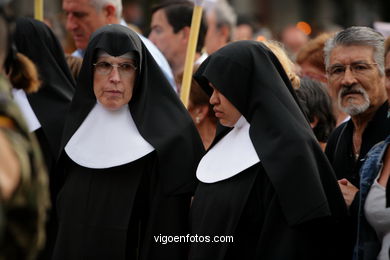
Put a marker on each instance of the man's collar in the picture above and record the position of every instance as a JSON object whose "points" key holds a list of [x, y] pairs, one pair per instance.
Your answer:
{"points": [[78, 53], [382, 113]]}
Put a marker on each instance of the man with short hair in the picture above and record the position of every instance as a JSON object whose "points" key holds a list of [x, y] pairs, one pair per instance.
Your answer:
{"points": [[221, 22], [170, 32], [245, 28], [354, 60], [83, 17]]}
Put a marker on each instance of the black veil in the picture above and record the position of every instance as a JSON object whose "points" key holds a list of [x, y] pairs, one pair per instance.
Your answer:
{"points": [[250, 76], [158, 114], [50, 104]]}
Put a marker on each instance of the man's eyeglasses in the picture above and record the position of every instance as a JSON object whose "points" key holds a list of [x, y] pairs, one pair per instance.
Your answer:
{"points": [[105, 68], [358, 68]]}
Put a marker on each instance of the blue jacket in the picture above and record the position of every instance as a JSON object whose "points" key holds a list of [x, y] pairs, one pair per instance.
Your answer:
{"points": [[367, 245]]}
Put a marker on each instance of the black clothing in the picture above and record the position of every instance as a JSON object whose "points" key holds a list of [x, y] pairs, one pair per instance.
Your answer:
{"points": [[339, 151], [159, 186], [388, 194], [339, 148], [295, 185], [51, 103], [158, 114], [252, 215], [89, 192], [256, 84]]}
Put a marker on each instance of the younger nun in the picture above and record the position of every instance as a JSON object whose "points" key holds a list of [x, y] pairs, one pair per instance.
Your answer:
{"points": [[266, 184]]}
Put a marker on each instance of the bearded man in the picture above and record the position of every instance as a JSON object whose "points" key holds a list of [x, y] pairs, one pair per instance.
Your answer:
{"points": [[354, 60]]}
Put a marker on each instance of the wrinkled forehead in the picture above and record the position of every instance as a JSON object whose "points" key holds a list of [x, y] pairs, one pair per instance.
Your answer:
{"points": [[347, 54]]}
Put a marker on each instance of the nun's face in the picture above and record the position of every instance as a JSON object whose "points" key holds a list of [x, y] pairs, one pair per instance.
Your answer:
{"points": [[113, 81], [226, 113]]}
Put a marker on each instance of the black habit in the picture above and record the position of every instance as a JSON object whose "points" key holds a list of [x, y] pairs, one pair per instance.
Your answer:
{"points": [[115, 212], [50, 104], [287, 205]]}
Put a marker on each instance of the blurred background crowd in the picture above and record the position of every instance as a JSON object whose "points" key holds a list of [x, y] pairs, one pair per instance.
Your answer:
{"points": [[255, 18], [332, 56]]}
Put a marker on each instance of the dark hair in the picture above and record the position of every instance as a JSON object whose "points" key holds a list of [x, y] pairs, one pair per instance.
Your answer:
{"points": [[179, 15], [23, 74], [198, 97], [317, 104], [7, 26], [245, 19]]}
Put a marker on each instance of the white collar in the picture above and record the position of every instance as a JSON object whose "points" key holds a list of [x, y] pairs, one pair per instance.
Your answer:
{"points": [[106, 139], [20, 98], [231, 155]]}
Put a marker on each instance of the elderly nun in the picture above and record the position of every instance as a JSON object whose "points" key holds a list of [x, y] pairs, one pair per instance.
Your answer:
{"points": [[130, 152]]}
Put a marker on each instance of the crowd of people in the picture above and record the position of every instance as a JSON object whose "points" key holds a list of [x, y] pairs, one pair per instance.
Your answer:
{"points": [[282, 148]]}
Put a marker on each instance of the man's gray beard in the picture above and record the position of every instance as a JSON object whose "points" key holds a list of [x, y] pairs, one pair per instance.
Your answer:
{"points": [[354, 109]]}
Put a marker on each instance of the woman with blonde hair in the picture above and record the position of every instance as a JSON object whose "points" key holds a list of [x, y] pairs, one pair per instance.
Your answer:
{"points": [[288, 66]]}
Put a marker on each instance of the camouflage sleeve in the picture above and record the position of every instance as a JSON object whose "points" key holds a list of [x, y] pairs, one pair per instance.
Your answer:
{"points": [[24, 213], [9, 166]]}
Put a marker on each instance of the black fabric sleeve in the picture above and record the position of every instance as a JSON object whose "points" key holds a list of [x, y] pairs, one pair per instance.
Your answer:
{"points": [[388, 193], [354, 208]]}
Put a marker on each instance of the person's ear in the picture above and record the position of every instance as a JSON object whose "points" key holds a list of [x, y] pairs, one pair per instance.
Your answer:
{"points": [[185, 32], [202, 112], [314, 123], [224, 31], [110, 14]]}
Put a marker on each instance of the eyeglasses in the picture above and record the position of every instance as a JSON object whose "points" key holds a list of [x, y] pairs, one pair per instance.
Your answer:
{"points": [[105, 68], [357, 69]]}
